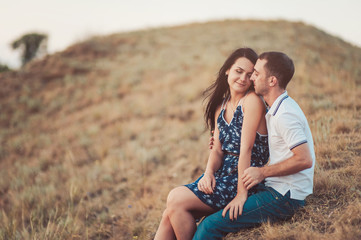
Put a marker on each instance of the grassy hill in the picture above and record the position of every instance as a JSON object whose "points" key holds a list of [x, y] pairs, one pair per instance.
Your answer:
{"points": [[94, 137]]}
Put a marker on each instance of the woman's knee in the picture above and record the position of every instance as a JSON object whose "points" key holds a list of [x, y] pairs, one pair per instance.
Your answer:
{"points": [[165, 214], [175, 198], [181, 199]]}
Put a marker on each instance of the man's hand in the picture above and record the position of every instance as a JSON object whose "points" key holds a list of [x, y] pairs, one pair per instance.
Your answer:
{"points": [[207, 183], [235, 207], [211, 140], [252, 176]]}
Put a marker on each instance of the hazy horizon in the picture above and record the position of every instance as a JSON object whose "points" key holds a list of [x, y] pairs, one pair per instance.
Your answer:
{"points": [[67, 22]]}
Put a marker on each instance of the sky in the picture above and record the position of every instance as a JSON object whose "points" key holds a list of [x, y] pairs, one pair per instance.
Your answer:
{"points": [[70, 21]]}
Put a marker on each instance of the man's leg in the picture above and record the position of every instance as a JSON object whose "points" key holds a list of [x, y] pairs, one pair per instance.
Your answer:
{"points": [[265, 205]]}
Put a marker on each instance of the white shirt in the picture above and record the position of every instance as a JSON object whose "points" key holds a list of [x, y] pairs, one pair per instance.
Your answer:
{"points": [[288, 128]]}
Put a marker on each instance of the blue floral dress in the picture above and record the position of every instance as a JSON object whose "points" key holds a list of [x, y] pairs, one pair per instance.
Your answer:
{"points": [[227, 175]]}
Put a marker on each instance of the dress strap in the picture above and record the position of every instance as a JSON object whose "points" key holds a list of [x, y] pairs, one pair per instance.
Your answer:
{"points": [[224, 103]]}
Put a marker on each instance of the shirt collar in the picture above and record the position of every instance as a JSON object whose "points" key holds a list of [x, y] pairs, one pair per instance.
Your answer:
{"points": [[275, 106]]}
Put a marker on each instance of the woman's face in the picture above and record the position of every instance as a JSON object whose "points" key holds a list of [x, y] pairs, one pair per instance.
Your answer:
{"points": [[239, 75]]}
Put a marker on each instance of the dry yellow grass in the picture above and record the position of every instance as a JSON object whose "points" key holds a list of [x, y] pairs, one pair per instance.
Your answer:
{"points": [[93, 138]]}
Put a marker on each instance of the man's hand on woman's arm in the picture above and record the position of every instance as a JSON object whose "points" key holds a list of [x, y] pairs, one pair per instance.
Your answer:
{"points": [[300, 160], [211, 140]]}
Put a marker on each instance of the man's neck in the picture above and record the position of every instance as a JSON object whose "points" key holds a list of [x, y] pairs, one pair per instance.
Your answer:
{"points": [[272, 95]]}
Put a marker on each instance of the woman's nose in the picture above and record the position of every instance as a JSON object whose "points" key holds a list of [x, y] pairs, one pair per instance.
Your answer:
{"points": [[252, 78], [243, 77]]}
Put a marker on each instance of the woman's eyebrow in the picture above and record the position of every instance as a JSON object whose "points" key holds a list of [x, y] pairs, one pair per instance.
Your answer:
{"points": [[243, 69]]}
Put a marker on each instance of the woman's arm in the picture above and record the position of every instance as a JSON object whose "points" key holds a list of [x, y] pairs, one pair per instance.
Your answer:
{"points": [[207, 183], [254, 111], [216, 154]]}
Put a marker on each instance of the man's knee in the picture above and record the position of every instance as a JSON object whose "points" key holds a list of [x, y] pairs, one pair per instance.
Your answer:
{"points": [[202, 229], [211, 227]]}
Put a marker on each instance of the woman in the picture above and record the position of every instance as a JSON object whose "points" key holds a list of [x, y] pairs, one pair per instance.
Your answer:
{"points": [[239, 114]]}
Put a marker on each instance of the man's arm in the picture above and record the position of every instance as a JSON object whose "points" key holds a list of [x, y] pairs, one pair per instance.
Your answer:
{"points": [[300, 160]]}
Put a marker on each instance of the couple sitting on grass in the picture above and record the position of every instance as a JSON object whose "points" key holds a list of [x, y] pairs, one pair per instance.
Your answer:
{"points": [[262, 161]]}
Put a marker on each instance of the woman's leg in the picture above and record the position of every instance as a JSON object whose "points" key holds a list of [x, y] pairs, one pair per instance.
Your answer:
{"points": [[165, 229], [183, 206]]}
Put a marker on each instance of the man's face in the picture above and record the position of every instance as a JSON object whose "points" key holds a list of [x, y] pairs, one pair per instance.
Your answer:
{"points": [[260, 77]]}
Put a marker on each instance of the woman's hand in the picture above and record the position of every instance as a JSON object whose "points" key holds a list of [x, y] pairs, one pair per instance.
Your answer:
{"points": [[235, 207], [207, 183]]}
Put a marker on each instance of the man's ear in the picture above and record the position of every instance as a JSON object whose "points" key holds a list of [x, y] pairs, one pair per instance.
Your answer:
{"points": [[272, 81]]}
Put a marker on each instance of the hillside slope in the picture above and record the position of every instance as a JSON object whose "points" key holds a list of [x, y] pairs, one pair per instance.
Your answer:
{"points": [[94, 137]]}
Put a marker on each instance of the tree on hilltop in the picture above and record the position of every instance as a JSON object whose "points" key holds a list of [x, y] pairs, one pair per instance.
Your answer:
{"points": [[30, 44], [4, 68]]}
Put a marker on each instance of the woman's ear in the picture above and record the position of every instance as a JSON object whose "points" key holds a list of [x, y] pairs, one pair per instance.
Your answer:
{"points": [[227, 72]]}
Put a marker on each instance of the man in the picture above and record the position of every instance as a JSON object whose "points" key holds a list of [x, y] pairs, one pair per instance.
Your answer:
{"points": [[289, 173]]}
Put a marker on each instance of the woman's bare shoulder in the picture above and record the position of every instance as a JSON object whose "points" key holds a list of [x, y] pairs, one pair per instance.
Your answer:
{"points": [[254, 100]]}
